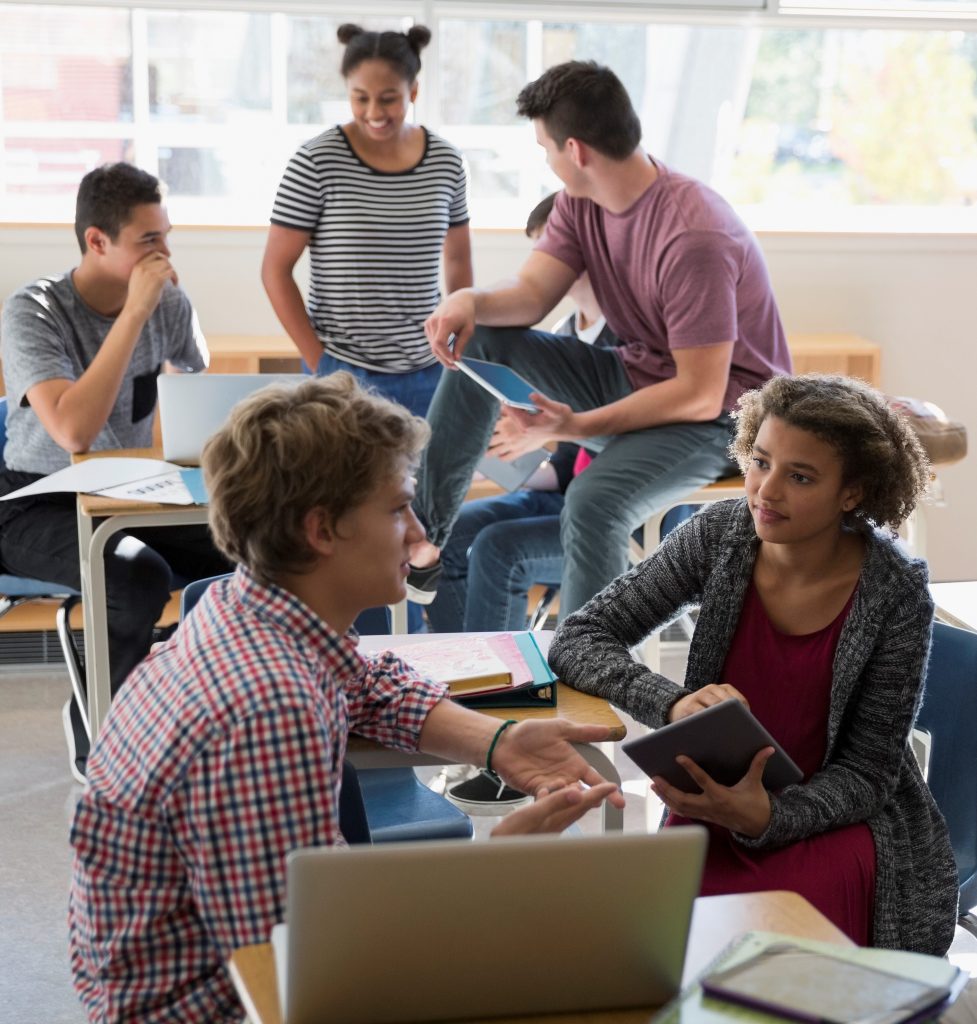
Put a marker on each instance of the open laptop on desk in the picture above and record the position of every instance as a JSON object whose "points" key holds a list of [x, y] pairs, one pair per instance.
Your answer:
{"points": [[432, 931], [192, 406]]}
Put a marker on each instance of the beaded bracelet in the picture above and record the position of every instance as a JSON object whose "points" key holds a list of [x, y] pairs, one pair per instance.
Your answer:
{"points": [[495, 739]]}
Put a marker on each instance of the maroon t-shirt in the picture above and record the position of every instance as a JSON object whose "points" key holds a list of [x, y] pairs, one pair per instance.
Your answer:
{"points": [[676, 270]]}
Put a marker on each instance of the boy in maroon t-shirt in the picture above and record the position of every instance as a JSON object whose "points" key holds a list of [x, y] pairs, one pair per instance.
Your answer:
{"points": [[682, 283]]}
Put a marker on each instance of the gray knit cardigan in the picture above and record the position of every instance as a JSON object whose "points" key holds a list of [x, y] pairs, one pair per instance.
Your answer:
{"points": [[869, 772]]}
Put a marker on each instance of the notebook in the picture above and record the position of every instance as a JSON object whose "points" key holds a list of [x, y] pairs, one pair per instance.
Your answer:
{"points": [[429, 931], [192, 406]]}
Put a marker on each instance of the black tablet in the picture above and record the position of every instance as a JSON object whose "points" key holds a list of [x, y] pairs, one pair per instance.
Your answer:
{"points": [[722, 740]]}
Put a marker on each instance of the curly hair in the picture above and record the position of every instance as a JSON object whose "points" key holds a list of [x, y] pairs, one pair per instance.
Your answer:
{"points": [[879, 451], [584, 100], [401, 50], [324, 443]]}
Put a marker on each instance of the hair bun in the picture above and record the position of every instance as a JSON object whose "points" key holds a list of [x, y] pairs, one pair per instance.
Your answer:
{"points": [[418, 36], [348, 31]]}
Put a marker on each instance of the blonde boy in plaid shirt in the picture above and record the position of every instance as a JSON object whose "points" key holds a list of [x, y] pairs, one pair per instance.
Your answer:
{"points": [[223, 751]]}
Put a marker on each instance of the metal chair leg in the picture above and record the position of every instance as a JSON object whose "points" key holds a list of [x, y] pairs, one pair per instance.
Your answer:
{"points": [[73, 659]]}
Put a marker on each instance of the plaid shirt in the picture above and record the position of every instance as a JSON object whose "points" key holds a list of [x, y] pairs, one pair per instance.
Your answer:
{"points": [[221, 754]]}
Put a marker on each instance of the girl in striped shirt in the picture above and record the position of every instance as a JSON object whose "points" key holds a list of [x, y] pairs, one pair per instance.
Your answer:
{"points": [[378, 202]]}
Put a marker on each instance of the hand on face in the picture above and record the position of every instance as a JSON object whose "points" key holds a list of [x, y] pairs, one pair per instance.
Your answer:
{"points": [[517, 431], [554, 812], [743, 808], [146, 283], [537, 755]]}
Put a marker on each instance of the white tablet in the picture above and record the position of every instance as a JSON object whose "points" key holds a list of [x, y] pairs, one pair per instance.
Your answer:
{"points": [[501, 381], [722, 740]]}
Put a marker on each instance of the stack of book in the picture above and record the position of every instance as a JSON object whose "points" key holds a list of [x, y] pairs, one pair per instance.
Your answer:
{"points": [[482, 671]]}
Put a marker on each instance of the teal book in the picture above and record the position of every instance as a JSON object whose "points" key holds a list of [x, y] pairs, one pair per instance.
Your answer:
{"points": [[539, 693], [193, 480]]}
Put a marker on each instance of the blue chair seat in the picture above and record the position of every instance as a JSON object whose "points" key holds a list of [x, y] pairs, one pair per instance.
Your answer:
{"points": [[400, 808]]}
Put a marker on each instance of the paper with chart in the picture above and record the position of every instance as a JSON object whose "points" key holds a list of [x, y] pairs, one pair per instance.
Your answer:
{"points": [[132, 479]]}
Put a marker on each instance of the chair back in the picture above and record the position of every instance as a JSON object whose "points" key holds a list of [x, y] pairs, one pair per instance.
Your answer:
{"points": [[949, 715], [195, 590]]}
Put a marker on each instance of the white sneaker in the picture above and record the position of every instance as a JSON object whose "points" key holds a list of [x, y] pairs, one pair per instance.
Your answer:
{"points": [[69, 734]]}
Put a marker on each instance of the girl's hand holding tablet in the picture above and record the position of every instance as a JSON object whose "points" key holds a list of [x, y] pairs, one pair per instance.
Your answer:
{"points": [[743, 808]]}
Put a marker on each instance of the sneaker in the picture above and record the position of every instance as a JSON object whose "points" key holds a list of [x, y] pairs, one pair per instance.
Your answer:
{"points": [[485, 794], [76, 738], [422, 584]]}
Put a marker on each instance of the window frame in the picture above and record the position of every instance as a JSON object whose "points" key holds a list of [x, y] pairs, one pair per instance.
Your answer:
{"points": [[903, 15]]}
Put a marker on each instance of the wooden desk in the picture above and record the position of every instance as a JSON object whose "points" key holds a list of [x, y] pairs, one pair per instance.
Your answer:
{"points": [[956, 603], [716, 921], [99, 519], [829, 353]]}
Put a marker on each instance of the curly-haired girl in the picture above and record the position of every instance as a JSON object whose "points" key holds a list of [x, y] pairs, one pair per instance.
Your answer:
{"points": [[812, 615]]}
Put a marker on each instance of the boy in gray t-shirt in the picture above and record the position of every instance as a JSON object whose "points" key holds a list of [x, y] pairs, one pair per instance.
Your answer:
{"points": [[81, 352]]}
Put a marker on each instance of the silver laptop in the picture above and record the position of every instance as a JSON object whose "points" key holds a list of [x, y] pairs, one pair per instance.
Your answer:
{"points": [[192, 406], [447, 930]]}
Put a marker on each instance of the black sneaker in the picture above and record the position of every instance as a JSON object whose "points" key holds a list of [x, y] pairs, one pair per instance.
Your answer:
{"points": [[486, 793], [77, 740], [422, 584]]}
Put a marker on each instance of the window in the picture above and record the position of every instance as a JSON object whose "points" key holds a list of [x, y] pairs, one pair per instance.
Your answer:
{"points": [[827, 121]]}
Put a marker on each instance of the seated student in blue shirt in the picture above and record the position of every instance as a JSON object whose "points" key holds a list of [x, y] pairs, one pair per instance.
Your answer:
{"points": [[224, 750]]}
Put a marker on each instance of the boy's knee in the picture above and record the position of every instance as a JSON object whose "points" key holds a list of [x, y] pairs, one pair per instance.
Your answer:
{"points": [[137, 583]]}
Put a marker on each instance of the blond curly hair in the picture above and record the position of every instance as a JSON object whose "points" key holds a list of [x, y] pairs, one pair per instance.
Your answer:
{"points": [[326, 443], [878, 449]]}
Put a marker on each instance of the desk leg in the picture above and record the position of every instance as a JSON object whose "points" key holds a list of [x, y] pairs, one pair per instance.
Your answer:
{"points": [[91, 554], [612, 817]]}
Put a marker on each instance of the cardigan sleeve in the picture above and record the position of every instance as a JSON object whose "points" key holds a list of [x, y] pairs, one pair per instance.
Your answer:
{"points": [[863, 768], [591, 650]]}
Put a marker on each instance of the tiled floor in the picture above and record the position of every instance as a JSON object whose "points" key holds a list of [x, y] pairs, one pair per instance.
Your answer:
{"points": [[37, 799]]}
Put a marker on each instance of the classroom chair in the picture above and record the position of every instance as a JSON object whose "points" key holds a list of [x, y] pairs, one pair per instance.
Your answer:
{"points": [[949, 715], [378, 805], [16, 590]]}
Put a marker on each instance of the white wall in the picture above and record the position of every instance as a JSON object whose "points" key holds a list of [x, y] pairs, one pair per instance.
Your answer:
{"points": [[909, 293]]}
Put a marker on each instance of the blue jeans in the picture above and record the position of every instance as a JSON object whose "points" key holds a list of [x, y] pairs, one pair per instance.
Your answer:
{"points": [[413, 391], [498, 549], [636, 473]]}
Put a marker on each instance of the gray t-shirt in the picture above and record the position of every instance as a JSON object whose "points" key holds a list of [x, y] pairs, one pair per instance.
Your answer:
{"points": [[48, 332]]}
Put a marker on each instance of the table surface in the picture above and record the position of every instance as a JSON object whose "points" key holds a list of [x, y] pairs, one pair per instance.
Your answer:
{"points": [[716, 921], [956, 603]]}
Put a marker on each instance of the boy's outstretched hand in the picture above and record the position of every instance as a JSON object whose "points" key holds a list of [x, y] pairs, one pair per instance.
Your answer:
{"points": [[553, 812]]}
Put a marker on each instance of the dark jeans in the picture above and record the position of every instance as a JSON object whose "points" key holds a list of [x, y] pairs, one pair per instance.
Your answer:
{"points": [[39, 539], [636, 473], [499, 548]]}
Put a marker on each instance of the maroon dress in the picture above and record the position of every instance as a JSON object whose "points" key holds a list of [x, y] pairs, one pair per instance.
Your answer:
{"points": [[787, 680]]}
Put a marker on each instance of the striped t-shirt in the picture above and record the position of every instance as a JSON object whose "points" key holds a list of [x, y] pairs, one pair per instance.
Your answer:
{"points": [[376, 245]]}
